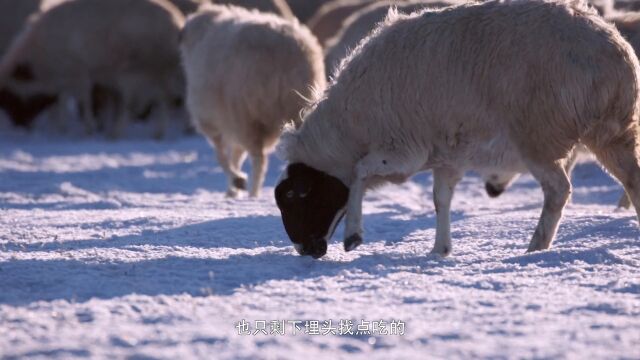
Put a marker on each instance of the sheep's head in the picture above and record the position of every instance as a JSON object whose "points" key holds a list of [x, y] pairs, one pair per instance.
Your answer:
{"points": [[311, 203], [23, 110], [20, 96]]}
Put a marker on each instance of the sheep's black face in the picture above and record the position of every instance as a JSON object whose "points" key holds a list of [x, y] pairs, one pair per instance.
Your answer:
{"points": [[23, 110], [311, 203]]}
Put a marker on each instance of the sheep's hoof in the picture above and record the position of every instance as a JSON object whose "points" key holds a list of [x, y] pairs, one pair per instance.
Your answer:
{"points": [[624, 202], [240, 183], [352, 242], [493, 190], [444, 252], [232, 193]]}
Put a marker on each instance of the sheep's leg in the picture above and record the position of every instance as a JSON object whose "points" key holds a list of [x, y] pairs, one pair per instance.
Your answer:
{"points": [[353, 221], [372, 165], [444, 182], [121, 116], [259, 163], [223, 159], [238, 155], [620, 158], [61, 113], [570, 162], [624, 202], [162, 120], [85, 103], [557, 189]]}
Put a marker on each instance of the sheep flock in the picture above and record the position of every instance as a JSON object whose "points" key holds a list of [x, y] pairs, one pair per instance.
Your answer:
{"points": [[352, 93]]}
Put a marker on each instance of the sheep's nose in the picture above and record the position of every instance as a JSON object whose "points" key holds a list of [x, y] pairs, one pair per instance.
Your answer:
{"points": [[316, 249], [493, 190]]}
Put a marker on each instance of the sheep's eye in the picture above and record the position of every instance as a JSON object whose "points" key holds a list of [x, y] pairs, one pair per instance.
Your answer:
{"points": [[290, 194], [303, 195]]}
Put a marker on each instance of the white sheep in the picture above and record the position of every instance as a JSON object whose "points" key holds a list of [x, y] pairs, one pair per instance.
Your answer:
{"points": [[464, 88], [76, 44], [247, 74]]}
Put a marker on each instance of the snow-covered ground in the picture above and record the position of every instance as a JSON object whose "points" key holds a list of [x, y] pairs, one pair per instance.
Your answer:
{"points": [[130, 249]]}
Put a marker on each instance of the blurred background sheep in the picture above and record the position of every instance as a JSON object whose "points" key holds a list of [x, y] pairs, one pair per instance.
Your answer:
{"points": [[108, 105], [248, 73], [68, 49]]}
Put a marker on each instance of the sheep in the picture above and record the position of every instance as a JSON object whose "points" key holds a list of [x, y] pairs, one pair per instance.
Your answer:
{"points": [[329, 18], [278, 7], [247, 74], [72, 46], [466, 87], [14, 16], [357, 26], [305, 9]]}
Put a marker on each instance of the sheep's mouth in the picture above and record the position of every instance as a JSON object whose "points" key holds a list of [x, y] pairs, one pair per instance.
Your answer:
{"points": [[316, 245], [316, 248]]}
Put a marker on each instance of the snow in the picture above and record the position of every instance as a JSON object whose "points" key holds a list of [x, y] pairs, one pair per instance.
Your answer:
{"points": [[130, 249]]}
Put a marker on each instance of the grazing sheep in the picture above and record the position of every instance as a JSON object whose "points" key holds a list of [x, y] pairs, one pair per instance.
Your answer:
{"points": [[330, 17], [305, 9], [247, 74], [72, 46], [14, 17], [357, 26], [464, 88], [279, 7]]}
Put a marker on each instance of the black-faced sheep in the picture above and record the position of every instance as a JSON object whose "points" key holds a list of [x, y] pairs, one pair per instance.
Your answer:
{"points": [[461, 89]]}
